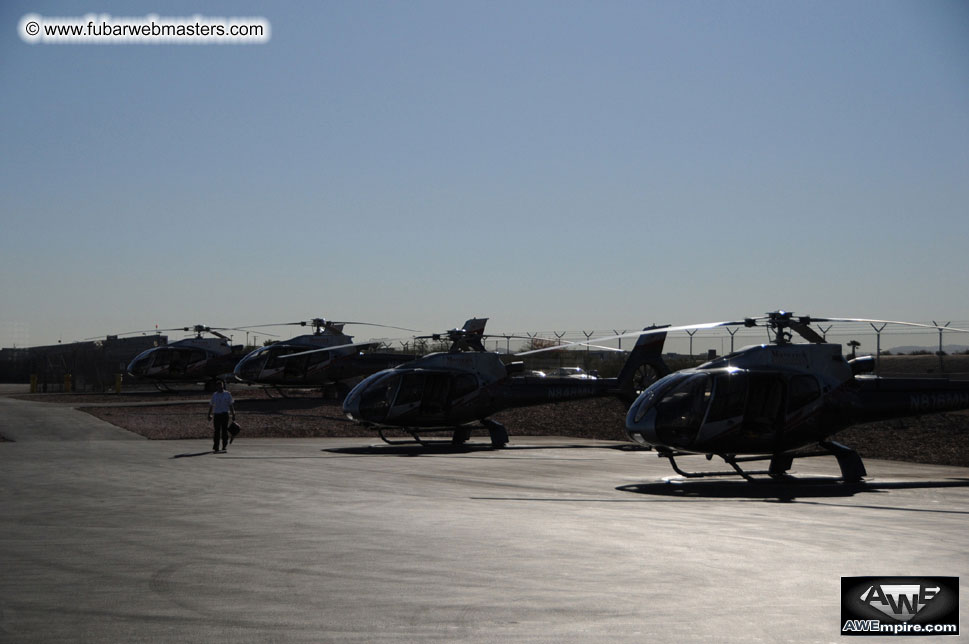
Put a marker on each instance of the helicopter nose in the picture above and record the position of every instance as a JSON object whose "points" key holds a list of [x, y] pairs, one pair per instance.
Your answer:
{"points": [[137, 367], [641, 421], [351, 404], [245, 369]]}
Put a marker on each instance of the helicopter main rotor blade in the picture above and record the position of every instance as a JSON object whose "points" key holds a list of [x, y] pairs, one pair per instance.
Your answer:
{"points": [[332, 322], [913, 324], [384, 326], [631, 334], [604, 348], [338, 346], [749, 322], [247, 328], [101, 337]]}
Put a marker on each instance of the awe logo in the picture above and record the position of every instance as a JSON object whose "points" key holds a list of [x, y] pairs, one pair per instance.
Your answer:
{"points": [[900, 601], [899, 605]]}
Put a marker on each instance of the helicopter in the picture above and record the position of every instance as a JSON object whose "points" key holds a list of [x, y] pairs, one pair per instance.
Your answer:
{"points": [[771, 401], [325, 358], [195, 359], [450, 391]]}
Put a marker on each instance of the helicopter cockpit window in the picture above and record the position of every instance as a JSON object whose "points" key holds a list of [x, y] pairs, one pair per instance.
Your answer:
{"points": [[317, 358], [682, 408], [729, 396], [142, 362], [276, 360], [411, 388], [162, 357], [435, 397], [294, 367], [463, 385], [765, 400], [179, 361], [803, 390], [379, 396], [660, 387]]}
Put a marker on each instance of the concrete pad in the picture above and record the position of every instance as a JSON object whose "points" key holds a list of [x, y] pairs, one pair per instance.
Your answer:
{"points": [[22, 420], [318, 540]]}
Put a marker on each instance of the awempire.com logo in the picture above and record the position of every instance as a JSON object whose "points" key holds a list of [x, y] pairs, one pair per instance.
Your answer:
{"points": [[899, 605]]}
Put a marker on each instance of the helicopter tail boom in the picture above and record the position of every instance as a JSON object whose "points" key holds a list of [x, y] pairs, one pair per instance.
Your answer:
{"points": [[889, 398]]}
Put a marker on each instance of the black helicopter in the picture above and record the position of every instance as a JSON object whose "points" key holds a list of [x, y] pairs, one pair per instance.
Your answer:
{"points": [[325, 358], [197, 359], [450, 391], [769, 402]]}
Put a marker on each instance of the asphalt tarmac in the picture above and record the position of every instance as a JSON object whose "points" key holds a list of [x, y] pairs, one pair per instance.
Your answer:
{"points": [[107, 537]]}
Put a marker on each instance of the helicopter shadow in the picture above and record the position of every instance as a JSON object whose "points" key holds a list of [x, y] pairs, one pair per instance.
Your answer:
{"points": [[446, 448], [788, 490]]}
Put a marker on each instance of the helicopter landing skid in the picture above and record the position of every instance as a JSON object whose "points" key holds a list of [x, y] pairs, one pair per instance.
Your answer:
{"points": [[497, 432], [416, 439], [852, 468], [730, 460]]}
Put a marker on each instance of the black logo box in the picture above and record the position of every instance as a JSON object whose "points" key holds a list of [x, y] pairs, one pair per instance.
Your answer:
{"points": [[941, 609]]}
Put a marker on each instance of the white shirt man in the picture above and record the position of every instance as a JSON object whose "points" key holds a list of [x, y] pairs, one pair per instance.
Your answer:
{"points": [[222, 405]]}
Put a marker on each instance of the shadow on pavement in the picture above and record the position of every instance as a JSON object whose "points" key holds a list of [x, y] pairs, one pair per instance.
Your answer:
{"points": [[196, 454], [445, 447], [790, 489]]}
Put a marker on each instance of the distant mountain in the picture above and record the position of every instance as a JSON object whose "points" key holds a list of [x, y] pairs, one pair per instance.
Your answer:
{"points": [[948, 348]]}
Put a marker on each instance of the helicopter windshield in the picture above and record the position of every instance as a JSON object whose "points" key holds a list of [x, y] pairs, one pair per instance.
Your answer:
{"points": [[674, 409], [251, 366], [659, 387], [139, 366], [680, 410], [391, 395], [376, 393]]}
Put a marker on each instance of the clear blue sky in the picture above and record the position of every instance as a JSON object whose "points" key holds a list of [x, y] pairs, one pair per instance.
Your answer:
{"points": [[552, 165]]}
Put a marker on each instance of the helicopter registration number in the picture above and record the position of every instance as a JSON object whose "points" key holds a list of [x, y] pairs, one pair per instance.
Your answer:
{"points": [[938, 401], [559, 393]]}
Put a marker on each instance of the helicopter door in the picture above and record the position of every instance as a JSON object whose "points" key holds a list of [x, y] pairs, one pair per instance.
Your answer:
{"points": [[804, 390], [163, 357], [294, 367], [462, 385], [803, 394], [436, 386], [409, 394], [194, 358], [765, 403], [315, 361], [179, 362]]}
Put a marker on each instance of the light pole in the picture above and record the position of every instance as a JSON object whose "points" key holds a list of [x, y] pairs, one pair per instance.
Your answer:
{"points": [[691, 334], [620, 339], [878, 344], [941, 329]]}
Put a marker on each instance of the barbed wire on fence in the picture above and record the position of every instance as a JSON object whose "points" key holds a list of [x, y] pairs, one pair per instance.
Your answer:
{"points": [[721, 339]]}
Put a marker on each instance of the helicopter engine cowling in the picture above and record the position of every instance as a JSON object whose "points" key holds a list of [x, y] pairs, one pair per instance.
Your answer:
{"points": [[864, 364]]}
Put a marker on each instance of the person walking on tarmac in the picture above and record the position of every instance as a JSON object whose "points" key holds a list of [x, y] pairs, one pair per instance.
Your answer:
{"points": [[222, 405]]}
